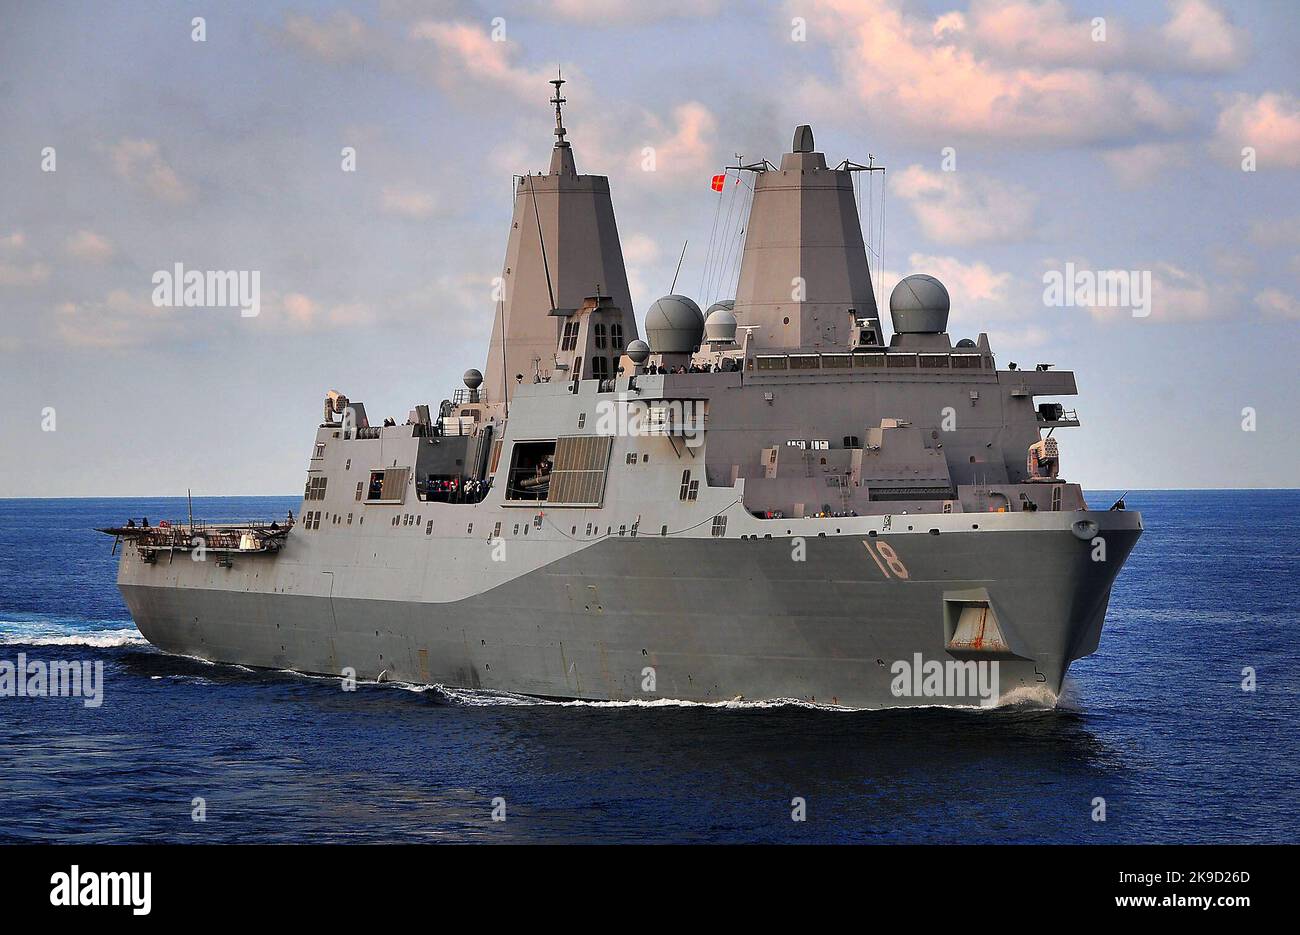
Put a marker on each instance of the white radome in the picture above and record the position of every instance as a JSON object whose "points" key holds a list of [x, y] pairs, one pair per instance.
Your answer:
{"points": [[919, 304], [674, 325]]}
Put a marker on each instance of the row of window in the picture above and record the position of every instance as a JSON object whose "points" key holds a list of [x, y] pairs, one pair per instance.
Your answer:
{"points": [[615, 336], [600, 337], [958, 361], [311, 521], [315, 488], [690, 488]]}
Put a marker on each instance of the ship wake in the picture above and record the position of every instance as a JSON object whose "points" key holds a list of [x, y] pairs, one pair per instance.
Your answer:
{"points": [[46, 631]]}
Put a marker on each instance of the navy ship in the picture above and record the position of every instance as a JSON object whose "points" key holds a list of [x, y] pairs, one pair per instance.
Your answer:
{"points": [[766, 500]]}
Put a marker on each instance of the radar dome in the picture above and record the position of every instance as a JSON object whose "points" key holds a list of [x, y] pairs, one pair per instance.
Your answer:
{"points": [[720, 325], [473, 379], [638, 352], [919, 305], [674, 325], [966, 342]]}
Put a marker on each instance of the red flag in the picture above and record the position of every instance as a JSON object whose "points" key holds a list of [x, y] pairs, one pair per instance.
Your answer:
{"points": [[718, 181]]}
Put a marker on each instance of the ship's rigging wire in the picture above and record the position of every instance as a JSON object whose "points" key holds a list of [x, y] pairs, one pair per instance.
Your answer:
{"points": [[733, 268], [550, 290], [880, 303], [724, 245], [729, 197], [874, 227], [717, 210], [731, 255]]}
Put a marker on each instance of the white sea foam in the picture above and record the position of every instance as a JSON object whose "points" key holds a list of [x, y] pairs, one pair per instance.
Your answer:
{"points": [[28, 634], [488, 698], [1029, 696], [1036, 696]]}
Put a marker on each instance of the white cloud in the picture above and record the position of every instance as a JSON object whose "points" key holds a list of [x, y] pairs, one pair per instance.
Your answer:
{"points": [[1197, 37], [337, 39], [622, 12], [121, 320], [140, 162], [1201, 37], [412, 203], [1278, 304], [23, 274], [640, 249], [965, 208], [89, 246], [20, 273], [683, 146], [467, 57], [1177, 295], [1269, 122], [297, 311], [1144, 163], [1276, 232], [929, 76]]}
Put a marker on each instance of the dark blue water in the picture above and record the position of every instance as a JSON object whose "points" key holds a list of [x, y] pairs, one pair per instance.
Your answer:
{"points": [[1156, 723]]}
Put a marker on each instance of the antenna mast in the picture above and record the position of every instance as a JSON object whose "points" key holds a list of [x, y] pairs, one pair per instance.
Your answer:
{"points": [[558, 80], [673, 288]]}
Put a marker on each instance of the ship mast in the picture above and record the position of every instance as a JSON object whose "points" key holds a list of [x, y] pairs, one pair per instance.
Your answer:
{"points": [[558, 80]]}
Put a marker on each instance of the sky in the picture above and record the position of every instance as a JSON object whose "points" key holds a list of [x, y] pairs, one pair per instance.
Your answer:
{"points": [[1017, 137]]}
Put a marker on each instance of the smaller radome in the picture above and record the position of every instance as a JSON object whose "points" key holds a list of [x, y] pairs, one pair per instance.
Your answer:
{"points": [[674, 325], [720, 325], [638, 352], [919, 305]]}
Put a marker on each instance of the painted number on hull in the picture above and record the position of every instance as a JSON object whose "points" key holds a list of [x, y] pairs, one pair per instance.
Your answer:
{"points": [[886, 559]]}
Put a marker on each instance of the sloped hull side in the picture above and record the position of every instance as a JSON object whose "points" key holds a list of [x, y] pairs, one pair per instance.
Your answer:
{"points": [[712, 618]]}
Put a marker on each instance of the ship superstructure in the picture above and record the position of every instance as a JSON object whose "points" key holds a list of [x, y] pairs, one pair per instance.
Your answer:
{"points": [[767, 501]]}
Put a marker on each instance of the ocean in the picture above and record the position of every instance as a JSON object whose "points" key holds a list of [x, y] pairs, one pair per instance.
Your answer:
{"points": [[1156, 725]]}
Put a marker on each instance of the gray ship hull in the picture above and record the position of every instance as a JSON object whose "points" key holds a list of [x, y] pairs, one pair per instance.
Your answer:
{"points": [[696, 619]]}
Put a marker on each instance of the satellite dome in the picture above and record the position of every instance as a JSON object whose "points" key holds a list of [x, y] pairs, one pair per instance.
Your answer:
{"points": [[966, 342], [919, 305], [674, 325], [638, 352], [720, 325], [473, 379]]}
